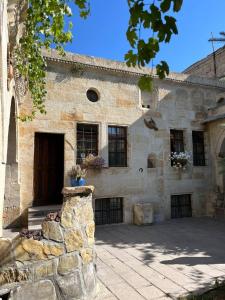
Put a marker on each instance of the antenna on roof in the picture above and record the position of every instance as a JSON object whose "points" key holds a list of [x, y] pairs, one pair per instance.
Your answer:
{"points": [[214, 55], [220, 39]]}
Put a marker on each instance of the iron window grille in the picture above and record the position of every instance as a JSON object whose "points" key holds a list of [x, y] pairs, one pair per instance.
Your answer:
{"points": [[181, 206], [87, 141], [117, 138], [176, 141], [198, 148], [108, 211]]}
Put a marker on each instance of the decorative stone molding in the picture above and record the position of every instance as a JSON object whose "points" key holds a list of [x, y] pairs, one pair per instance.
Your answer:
{"points": [[62, 261]]}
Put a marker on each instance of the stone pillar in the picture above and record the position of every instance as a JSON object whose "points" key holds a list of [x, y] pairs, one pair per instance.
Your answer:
{"points": [[59, 265]]}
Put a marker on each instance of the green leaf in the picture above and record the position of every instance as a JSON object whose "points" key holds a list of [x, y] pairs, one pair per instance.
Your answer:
{"points": [[177, 5], [165, 5], [145, 83]]}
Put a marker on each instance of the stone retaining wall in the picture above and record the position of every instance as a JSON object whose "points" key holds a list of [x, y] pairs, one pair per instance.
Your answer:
{"points": [[61, 265]]}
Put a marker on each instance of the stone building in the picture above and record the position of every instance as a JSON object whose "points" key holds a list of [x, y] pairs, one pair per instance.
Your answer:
{"points": [[11, 18], [95, 106], [211, 66]]}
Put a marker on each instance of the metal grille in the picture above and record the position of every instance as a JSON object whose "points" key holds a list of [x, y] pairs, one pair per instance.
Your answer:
{"points": [[181, 206], [176, 141], [108, 211], [87, 141], [198, 148], [117, 146]]}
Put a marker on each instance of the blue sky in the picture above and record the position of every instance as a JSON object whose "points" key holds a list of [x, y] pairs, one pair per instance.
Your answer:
{"points": [[103, 34]]}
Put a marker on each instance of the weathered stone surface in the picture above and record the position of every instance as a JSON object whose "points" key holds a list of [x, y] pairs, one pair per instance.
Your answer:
{"points": [[12, 275], [90, 231], [5, 252], [53, 249], [68, 262], [34, 249], [143, 214], [42, 290], [44, 269], [19, 253], [79, 190], [89, 277], [87, 255], [73, 240], [84, 214], [52, 231], [71, 286]]}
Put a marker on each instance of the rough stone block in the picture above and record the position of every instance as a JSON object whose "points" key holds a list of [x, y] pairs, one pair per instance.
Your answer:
{"points": [[68, 262], [43, 290], [87, 255], [73, 240], [53, 249], [90, 231], [89, 277], [5, 252], [79, 190], [44, 269], [52, 231], [143, 214], [12, 275], [71, 286]]}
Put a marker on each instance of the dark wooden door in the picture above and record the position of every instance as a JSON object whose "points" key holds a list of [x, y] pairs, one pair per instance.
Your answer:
{"points": [[48, 168]]}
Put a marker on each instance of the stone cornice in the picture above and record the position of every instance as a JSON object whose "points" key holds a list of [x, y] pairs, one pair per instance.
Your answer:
{"points": [[120, 67]]}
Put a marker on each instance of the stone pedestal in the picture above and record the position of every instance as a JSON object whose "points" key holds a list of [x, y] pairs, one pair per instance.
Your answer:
{"points": [[61, 265], [143, 214]]}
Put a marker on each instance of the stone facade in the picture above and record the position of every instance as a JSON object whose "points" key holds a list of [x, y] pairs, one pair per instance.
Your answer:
{"points": [[211, 66], [179, 102], [61, 265]]}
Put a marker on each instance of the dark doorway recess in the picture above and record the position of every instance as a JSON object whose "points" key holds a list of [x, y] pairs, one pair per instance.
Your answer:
{"points": [[48, 168], [108, 211], [181, 206]]}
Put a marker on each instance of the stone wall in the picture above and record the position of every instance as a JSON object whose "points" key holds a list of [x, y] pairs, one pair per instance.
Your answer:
{"points": [[206, 66], [61, 263], [179, 102]]}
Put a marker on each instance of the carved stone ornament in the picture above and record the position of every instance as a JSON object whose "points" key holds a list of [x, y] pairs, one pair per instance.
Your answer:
{"points": [[151, 124]]}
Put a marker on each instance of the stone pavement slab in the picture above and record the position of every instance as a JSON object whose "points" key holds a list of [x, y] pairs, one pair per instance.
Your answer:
{"points": [[162, 261]]}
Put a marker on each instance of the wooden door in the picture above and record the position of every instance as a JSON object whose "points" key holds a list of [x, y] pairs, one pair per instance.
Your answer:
{"points": [[48, 168]]}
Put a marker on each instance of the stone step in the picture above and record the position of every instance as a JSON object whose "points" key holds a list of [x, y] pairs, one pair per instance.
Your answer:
{"points": [[36, 215]]}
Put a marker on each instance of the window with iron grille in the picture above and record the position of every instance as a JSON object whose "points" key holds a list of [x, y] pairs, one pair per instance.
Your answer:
{"points": [[176, 141], [87, 141], [108, 211], [117, 138], [181, 206], [198, 148]]}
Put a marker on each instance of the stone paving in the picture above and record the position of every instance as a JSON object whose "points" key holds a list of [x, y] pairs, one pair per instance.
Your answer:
{"points": [[162, 261]]}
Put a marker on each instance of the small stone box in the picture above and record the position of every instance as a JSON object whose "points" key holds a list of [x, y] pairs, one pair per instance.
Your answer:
{"points": [[143, 213]]}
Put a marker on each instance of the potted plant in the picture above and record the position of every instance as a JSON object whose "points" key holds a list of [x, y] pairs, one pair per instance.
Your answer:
{"points": [[93, 162], [180, 160], [77, 175]]}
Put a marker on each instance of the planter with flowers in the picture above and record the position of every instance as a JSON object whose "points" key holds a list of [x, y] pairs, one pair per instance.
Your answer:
{"points": [[180, 161], [77, 175], [93, 162]]}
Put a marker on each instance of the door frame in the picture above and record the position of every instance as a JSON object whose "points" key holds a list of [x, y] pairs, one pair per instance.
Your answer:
{"points": [[34, 204]]}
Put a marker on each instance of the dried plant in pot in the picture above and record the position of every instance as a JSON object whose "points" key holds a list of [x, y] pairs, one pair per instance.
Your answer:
{"points": [[77, 175], [93, 162]]}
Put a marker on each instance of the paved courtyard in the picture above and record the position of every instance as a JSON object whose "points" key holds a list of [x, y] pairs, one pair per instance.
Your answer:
{"points": [[161, 261]]}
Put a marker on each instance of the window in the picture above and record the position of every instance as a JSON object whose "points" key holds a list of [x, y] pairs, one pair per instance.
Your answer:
{"points": [[198, 148], [181, 206], [92, 95], [87, 141], [108, 211], [176, 141], [117, 137]]}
